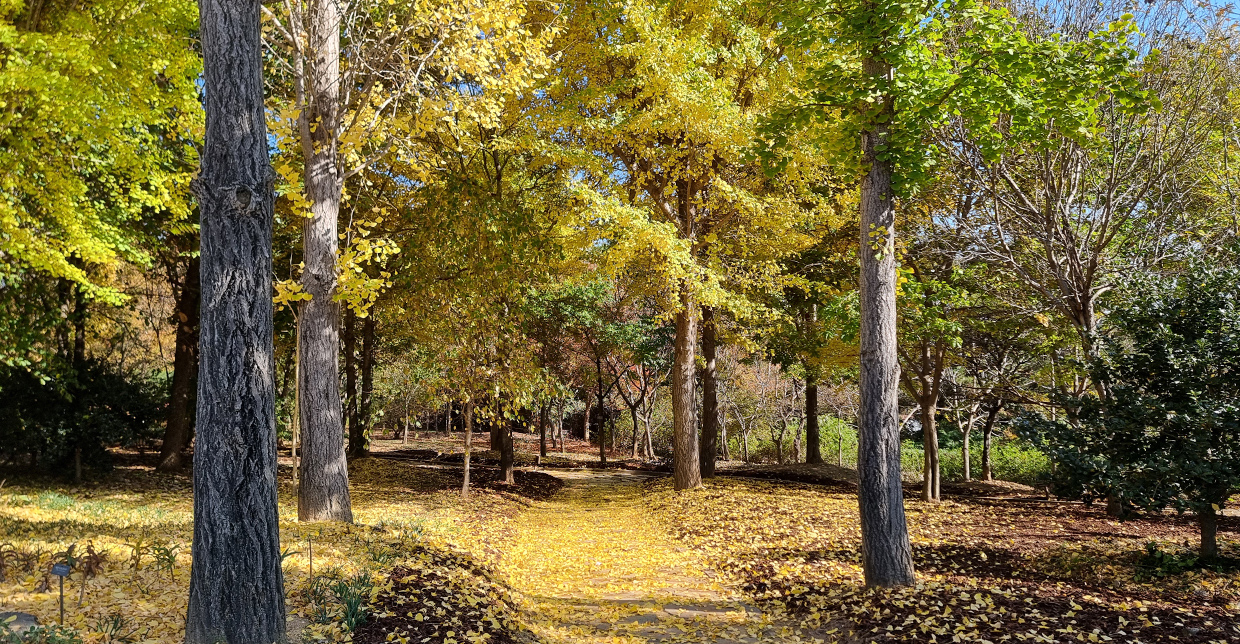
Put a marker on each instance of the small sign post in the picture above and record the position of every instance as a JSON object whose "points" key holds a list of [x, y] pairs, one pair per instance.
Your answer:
{"points": [[61, 570]]}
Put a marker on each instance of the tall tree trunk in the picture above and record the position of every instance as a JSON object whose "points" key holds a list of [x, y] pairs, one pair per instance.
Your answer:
{"points": [[469, 439], [1207, 522], [184, 371], [686, 474], [447, 419], [542, 429], [349, 340], [495, 432], [505, 453], [236, 588], [649, 435], [968, 432], [709, 446], [885, 549], [368, 383], [585, 419], [930, 443], [636, 428], [813, 434], [987, 431], [324, 491], [602, 411], [79, 327]]}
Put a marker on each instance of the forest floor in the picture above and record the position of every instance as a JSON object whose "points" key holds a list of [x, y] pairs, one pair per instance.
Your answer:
{"points": [[588, 555]]}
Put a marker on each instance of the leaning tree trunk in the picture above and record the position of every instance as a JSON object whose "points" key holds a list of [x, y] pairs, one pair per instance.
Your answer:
{"points": [[324, 491], [885, 550], [988, 431], [184, 371], [710, 395], [813, 435], [685, 473], [236, 588]]}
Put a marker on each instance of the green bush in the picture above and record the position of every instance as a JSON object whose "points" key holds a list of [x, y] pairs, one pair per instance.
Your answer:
{"points": [[44, 422]]}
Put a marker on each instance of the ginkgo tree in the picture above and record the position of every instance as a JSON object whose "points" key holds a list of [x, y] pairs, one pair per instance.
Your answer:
{"points": [[658, 105], [366, 81], [887, 73]]}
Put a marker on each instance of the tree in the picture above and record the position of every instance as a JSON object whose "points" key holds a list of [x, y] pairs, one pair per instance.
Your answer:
{"points": [[236, 591], [889, 73], [1168, 433], [1070, 216], [184, 369], [669, 96]]}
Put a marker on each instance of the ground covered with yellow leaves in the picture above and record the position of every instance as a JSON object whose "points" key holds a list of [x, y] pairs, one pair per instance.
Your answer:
{"points": [[128, 536], [988, 569], [618, 557]]}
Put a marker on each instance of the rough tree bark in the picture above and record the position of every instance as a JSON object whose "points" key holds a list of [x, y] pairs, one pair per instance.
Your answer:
{"points": [[685, 474], [184, 371], [885, 549], [324, 491], [710, 395], [236, 589], [813, 434]]}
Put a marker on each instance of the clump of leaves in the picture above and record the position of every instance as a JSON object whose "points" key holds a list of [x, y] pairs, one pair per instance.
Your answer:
{"points": [[353, 594], [52, 634], [139, 548], [116, 629], [165, 555], [8, 559]]}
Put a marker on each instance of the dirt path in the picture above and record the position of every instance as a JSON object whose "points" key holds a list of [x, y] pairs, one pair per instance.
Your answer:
{"points": [[596, 567]]}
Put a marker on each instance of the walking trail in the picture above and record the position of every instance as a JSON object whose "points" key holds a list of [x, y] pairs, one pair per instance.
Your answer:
{"points": [[595, 566]]}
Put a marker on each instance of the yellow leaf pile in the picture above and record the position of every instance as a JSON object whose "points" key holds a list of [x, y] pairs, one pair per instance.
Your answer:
{"points": [[797, 547]]}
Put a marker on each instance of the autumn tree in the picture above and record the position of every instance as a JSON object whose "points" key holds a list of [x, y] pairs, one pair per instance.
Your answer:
{"points": [[236, 591], [890, 72]]}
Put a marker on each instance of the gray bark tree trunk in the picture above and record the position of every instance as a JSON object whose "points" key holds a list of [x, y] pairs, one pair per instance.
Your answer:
{"points": [[469, 439], [930, 443], [324, 491], [368, 384], [236, 589], [885, 549], [710, 395], [813, 434], [184, 371], [685, 474], [987, 432], [350, 402]]}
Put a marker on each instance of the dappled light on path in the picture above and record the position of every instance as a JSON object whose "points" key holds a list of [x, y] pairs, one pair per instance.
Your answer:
{"points": [[595, 565]]}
